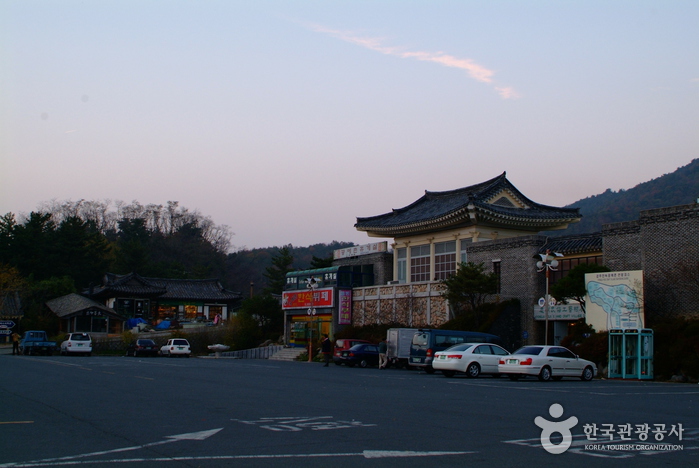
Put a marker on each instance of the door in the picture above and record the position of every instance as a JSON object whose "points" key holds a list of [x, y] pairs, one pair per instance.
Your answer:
{"points": [[557, 361], [486, 358]]}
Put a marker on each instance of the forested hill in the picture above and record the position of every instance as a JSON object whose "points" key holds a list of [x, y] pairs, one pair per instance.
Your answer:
{"points": [[677, 188], [247, 266]]}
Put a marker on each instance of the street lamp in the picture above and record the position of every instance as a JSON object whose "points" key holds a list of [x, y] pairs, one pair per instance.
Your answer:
{"points": [[547, 263], [312, 285]]}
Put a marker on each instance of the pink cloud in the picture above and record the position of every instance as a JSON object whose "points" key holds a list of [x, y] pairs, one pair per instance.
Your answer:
{"points": [[473, 69]]}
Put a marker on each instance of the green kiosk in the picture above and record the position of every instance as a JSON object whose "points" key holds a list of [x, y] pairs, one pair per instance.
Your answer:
{"points": [[631, 354]]}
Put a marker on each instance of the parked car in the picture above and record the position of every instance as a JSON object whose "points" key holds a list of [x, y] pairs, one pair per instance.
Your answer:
{"points": [[362, 355], [546, 362], [472, 359], [142, 347], [77, 343], [426, 342], [36, 342], [343, 344], [176, 347]]}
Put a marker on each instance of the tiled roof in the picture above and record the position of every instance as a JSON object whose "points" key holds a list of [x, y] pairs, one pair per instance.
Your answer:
{"points": [[134, 285], [11, 306], [476, 204], [74, 303], [126, 285], [572, 245], [205, 289]]}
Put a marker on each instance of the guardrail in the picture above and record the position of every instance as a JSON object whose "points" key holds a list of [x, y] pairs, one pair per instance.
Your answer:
{"points": [[255, 353]]}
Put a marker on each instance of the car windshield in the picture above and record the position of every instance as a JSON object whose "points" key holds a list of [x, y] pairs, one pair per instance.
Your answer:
{"points": [[180, 342], [80, 338], [146, 342], [534, 350], [459, 347]]}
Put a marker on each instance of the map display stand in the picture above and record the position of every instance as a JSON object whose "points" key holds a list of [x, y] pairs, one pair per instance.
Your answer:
{"points": [[630, 354]]}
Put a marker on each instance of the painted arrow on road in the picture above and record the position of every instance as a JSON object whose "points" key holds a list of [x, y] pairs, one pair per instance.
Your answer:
{"points": [[168, 439]]}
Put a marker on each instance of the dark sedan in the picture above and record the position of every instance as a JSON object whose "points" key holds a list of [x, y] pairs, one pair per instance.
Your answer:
{"points": [[142, 347], [362, 355]]}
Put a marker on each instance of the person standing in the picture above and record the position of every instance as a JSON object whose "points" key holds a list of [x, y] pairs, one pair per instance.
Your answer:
{"points": [[15, 343], [327, 348], [382, 355]]}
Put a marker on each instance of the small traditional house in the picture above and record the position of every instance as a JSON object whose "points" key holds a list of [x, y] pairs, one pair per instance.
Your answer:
{"points": [[80, 314]]}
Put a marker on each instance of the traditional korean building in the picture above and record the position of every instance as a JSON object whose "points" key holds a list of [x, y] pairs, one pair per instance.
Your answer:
{"points": [[156, 299], [491, 223], [494, 224]]}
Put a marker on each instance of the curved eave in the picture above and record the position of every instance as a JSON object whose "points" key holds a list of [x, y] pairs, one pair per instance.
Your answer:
{"points": [[477, 217]]}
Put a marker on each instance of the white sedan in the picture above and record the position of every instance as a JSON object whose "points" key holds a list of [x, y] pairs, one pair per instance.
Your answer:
{"points": [[546, 363], [472, 359], [176, 347]]}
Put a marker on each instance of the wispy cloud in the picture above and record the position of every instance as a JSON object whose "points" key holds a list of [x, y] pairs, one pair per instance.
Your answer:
{"points": [[473, 69]]}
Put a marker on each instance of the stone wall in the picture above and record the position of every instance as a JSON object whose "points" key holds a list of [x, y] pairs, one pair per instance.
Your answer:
{"points": [[414, 305], [518, 278], [621, 243], [670, 252]]}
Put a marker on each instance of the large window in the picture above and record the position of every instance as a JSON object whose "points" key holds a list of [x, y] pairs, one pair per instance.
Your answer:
{"points": [[464, 245], [402, 266], [567, 264], [419, 263], [444, 260]]}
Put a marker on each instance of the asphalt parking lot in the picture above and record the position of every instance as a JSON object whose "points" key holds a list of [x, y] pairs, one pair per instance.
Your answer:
{"points": [[100, 411]]}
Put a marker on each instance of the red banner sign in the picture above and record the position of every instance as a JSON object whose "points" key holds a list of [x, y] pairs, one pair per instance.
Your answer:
{"points": [[302, 299]]}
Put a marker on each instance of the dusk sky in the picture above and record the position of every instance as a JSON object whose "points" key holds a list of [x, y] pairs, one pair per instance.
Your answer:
{"points": [[287, 120]]}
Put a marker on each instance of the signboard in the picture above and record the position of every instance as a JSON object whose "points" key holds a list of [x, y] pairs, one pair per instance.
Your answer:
{"points": [[345, 312], [615, 300], [559, 312], [357, 250], [5, 331], [6, 324], [322, 298]]}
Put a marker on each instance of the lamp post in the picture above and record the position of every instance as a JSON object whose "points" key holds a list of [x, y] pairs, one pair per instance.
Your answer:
{"points": [[312, 285], [547, 263]]}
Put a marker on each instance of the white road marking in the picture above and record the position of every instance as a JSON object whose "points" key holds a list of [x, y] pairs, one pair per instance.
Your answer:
{"points": [[71, 460], [367, 454]]}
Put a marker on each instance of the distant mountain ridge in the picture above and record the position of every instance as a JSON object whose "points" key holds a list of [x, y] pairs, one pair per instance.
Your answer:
{"points": [[677, 188]]}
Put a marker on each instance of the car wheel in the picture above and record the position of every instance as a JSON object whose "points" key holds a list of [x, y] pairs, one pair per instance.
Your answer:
{"points": [[473, 370], [363, 363], [545, 374], [513, 376], [448, 373], [587, 374], [135, 354]]}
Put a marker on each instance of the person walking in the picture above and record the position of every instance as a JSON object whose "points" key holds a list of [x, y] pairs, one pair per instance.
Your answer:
{"points": [[15, 343], [383, 361], [327, 348]]}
